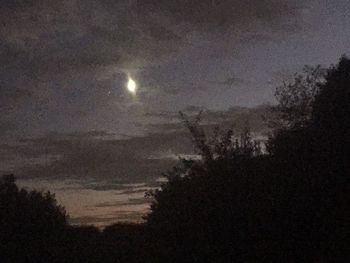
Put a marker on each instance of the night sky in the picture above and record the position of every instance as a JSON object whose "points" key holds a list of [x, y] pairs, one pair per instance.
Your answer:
{"points": [[68, 122]]}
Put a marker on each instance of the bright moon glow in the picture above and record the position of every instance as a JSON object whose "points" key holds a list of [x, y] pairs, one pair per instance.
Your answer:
{"points": [[132, 86]]}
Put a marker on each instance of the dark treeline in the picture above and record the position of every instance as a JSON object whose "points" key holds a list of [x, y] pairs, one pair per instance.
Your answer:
{"points": [[285, 201]]}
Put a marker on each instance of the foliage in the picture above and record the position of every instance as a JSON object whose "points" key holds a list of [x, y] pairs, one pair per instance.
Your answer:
{"points": [[28, 219], [295, 99], [199, 204], [290, 204]]}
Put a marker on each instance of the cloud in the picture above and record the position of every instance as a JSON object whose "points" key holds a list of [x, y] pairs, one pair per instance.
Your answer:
{"points": [[88, 156], [236, 118], [6, 127], [64, 63], [100, 155], [49, 48], [11, 99], [59, 37], [229, 81], [130, 201], [56, 37], [104, 220], [113, 171], [223, 14]]}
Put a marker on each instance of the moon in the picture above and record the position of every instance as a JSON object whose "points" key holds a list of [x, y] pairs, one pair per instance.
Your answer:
{"points": [[131, 86]]}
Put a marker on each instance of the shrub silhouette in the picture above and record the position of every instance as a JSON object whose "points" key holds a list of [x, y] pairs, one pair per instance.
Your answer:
{"points": [[290, 204]]}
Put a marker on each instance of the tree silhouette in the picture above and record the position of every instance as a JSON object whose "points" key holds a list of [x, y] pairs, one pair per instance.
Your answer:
{"points": [[288, 205], [196, 214], [31, 222], [295, 99]]}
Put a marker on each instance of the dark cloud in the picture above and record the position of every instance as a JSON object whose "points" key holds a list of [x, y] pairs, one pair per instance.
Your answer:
{"points": [[64, 63], [216, 14], [11, 99], [55, 37], [49, 48], [90, 220], [120, 216], [60, 36], [90, 156], [236, 118], [101, 155], [6, 127], [258, 37], [229, 81], [130, 201], [114, 184]]}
